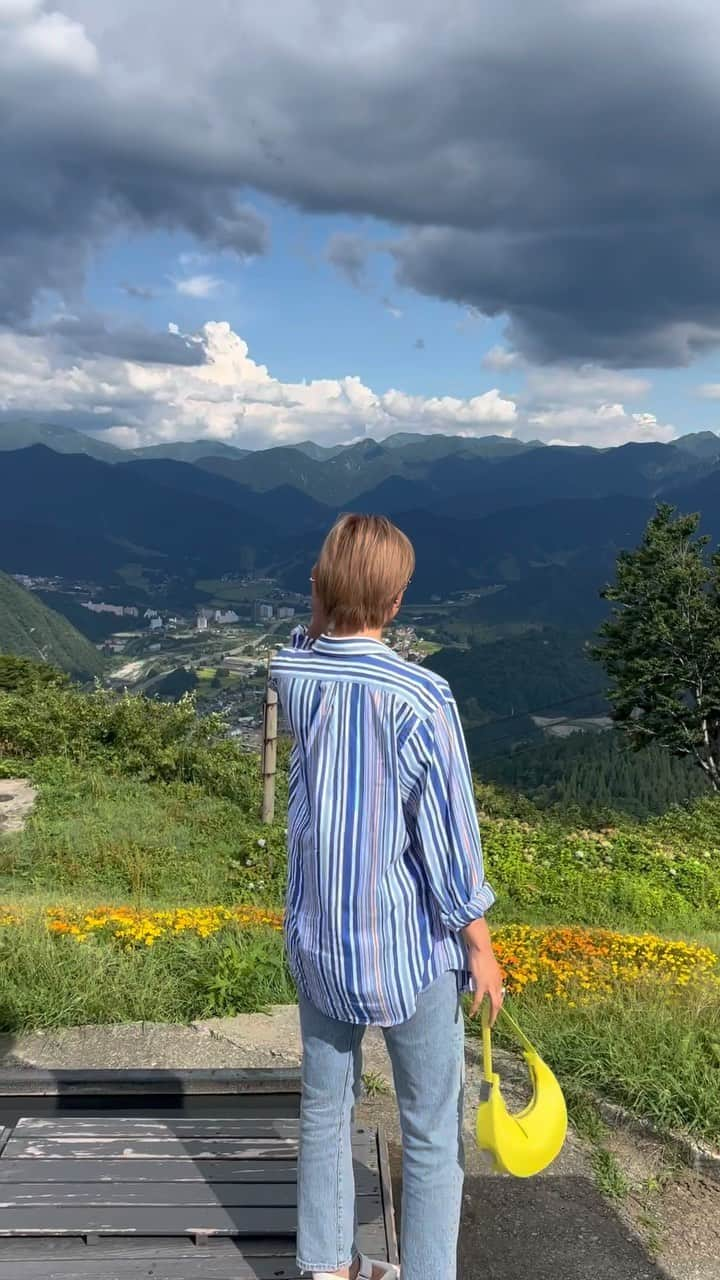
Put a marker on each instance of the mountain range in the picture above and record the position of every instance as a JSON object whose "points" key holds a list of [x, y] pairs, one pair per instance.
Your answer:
{"points": [[535, 527]]}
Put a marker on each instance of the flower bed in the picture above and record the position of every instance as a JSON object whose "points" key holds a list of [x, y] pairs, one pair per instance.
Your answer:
{"points": [[577, 965], [571, 964], [132, 927]]}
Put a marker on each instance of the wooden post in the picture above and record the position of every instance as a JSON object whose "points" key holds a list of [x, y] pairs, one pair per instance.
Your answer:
{"points": [[269, 754]]}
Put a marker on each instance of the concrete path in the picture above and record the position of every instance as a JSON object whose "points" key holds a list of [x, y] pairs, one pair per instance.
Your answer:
{"points": [[17, 798], [555, 1227]]}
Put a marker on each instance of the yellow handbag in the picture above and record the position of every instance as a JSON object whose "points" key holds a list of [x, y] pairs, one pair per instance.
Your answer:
{"points": [[526, 1143]]}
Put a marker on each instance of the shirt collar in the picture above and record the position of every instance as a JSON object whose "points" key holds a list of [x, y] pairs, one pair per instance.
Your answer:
{"points": [[341, 646]]}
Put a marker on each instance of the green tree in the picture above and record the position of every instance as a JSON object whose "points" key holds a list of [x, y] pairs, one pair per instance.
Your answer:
{"points": [[661, 645], [23, 675]]}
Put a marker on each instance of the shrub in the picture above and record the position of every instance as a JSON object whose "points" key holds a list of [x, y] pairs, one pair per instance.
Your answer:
{"points": [[136, 736]]}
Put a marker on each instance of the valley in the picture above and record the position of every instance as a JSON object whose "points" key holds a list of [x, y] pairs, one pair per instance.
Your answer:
{"points": [[180, 568]]}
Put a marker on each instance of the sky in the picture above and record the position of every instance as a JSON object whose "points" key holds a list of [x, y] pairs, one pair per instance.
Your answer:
{"points": [[323, 220]]}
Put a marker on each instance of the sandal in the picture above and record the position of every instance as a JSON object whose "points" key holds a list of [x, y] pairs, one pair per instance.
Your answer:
{"points": [[367, 1267]]}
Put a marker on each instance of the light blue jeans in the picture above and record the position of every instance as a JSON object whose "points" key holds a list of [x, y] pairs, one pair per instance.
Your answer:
{"points": [[427, 1055]]}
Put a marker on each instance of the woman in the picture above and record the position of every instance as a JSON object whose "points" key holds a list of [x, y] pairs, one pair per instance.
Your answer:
{"points": [[386, 901]]}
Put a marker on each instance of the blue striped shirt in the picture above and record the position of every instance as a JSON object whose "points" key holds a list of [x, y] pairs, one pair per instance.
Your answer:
{"points": [[385, 858]]}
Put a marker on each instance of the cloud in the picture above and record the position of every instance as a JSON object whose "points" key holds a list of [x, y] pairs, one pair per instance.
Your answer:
{"points": [[348, 254], [554, 164], [215, 390], [34, 40], [143, 387], [90, 335], [604, 426], [587, 384], [93, 151], [201, 286], [143, 293], [586, 405], [500, 359], [709, 391], [391, 308]]}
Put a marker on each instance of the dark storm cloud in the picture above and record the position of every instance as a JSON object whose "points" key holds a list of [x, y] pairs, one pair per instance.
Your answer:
{"points": [[348, 253], [554, 161], [90, 336]]}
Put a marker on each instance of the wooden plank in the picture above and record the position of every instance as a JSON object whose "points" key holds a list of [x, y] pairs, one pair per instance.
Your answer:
{"points": [[76, 1194], [371, 1239], [137, 1084], [204, 1266], [151, 1149], [168, 1220], [45, 1220], [392, 1253], [106, 1172], [72, 1247], [128, 1170], [195, 1194], [155, 1106], [163, 1220], [124, 1126], [132, 1269]]}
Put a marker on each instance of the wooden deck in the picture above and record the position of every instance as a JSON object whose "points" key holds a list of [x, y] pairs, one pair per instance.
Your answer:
{"points": [[150, 1177]]}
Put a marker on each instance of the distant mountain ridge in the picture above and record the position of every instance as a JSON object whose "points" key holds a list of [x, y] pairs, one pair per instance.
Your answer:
{"points": [[536, 527], [468, 475], [23, 435]]}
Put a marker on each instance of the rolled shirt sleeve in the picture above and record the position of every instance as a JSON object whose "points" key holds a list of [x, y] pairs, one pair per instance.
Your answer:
{"points": [[445, 819], [299, 638]]}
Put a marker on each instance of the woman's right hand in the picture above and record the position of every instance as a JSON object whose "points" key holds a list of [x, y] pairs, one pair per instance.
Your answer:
{"points": [[486, 974]]}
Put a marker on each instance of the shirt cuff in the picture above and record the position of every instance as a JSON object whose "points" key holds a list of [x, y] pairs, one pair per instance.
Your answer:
{"points": [[475, 909], [299, 638]]}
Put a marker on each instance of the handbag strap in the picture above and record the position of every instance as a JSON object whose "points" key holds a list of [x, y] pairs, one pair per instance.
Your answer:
{"points": [[487, 1038], [519, 1033]]}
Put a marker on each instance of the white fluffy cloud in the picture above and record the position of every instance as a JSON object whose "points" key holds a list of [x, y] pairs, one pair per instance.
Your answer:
{"points": [[217, 390], [584, 405], [228, 397], [33, 39], [602, 426], [200, 286], [500, 359]]}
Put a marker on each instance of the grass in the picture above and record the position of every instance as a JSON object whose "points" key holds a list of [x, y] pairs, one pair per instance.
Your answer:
{"points": [[375, 1085], [48, 981], [655, 1053], [609, 1176], [118, 838], [144, 805]]}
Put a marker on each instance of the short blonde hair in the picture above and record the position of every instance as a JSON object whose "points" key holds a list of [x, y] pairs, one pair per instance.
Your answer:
{"points": [[364, 564]]}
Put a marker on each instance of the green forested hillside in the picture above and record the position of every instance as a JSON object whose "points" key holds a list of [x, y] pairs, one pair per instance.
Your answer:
{"points": [[541, 671], [595, 773], [28, 628]]}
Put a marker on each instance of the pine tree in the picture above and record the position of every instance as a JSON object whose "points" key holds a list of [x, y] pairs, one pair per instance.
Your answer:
{"points": [[661, 646]]}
